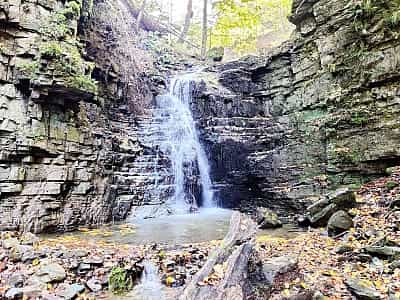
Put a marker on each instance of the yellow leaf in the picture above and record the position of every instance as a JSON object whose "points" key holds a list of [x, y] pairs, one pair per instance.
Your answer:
{"points": [[170, 280], [286, 293], [304, 285], [35, 262]]}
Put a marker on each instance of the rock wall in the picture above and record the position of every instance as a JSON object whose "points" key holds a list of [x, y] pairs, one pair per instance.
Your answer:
{"points": [[320, 112], [66, 140]]}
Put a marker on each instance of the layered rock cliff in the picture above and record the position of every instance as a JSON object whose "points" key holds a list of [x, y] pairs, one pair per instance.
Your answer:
{"points": [[318, 113], [71, 93], [76, 93]]}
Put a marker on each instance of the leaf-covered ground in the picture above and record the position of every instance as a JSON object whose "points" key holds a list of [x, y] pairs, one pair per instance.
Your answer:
{"points": [[325, 263]]}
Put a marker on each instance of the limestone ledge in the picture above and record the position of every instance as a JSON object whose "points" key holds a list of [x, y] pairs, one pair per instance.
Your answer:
{"points": [[317, 113]]}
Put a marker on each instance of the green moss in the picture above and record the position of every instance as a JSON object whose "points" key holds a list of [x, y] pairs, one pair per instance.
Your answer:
{"points": [[83, 82], [28, 70], [51, 49], [66, 61], [72, 9], [392, 19], [359, 118], [390, 185], [119, 281]]}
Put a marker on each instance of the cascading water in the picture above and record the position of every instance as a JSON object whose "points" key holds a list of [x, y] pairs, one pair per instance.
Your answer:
{"points": [[181, 144], [150, 287]]}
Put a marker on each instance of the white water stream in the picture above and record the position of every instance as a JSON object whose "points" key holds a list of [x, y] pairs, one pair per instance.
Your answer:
{"points": [[181, 144]]}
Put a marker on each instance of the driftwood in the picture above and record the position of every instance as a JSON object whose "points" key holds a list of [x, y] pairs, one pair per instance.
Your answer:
{"points": [[233, 254]]}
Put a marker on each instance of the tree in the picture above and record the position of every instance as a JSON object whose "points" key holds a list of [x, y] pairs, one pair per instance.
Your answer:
{"points": [[140, 15], [204, 30], [188, 19], [240, 23]]}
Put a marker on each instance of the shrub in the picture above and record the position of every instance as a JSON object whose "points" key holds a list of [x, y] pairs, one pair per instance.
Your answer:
{"points": [[119, 281]]}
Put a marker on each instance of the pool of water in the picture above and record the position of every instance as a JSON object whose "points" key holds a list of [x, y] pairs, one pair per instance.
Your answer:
{"points": [[206, 225]]}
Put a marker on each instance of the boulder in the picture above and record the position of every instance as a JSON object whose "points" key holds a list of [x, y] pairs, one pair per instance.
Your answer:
{"points": [[319, 213], [383, 251], [52, 272], [216, 53], [71, 291], [322, 217], [10, 243], [94, 285], [278, 266], [339, 222], [27, 292], [343, 198], [361, 290], [29, 239], [267, 219], [16, 280]]}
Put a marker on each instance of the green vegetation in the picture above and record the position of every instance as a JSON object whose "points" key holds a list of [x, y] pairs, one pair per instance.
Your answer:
{"points": [[61, 53], [240, 24], [83, 82], [359, 118], [119, 281], [51, 49], [390, 185], [367, 12], [59, 27], [28, 70]]}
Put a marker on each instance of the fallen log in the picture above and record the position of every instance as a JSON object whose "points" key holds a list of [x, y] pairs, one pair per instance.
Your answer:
{"points": [[233, 256]]}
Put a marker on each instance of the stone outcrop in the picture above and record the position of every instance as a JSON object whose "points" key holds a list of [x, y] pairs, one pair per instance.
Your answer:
{"points": [[76, 99], [71, 94], [318, 113]]}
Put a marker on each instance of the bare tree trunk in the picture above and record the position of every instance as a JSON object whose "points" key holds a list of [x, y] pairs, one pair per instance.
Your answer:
{"points": [[188, 19], [204, 34], [140, 15]]}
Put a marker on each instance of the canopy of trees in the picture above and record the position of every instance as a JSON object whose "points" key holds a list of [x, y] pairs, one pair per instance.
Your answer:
{"points": [[239, 26]]}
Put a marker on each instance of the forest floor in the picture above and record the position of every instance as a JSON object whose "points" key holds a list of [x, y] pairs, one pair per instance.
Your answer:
{"points": [[328, 265], [332, 266]]}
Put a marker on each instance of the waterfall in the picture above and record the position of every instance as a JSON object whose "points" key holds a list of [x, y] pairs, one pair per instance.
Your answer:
{"points": [[181, 144], [150, 287]]}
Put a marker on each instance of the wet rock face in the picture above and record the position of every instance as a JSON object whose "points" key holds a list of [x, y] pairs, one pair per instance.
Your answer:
{"points": [[318, 113], [66, 141]]}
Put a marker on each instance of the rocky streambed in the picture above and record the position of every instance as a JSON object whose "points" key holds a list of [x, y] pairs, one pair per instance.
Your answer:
{"points": [[360, 261]]}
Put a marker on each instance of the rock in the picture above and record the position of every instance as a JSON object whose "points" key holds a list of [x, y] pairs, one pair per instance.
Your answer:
{"points": [[303, 221], [14, 293], [395, 265], [28, 292], [321, 217], [16, 280], [383, 251], [320, 212], [339, 222], [28, 238], [344, 248], [10, 243], [94, 285], [71, 291], [216, 53], [278, 266], [83, 268], [363, 257], [52, 272], [96, 261], [362, 290], [80, 253], [343, 198], [267, 219]]}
